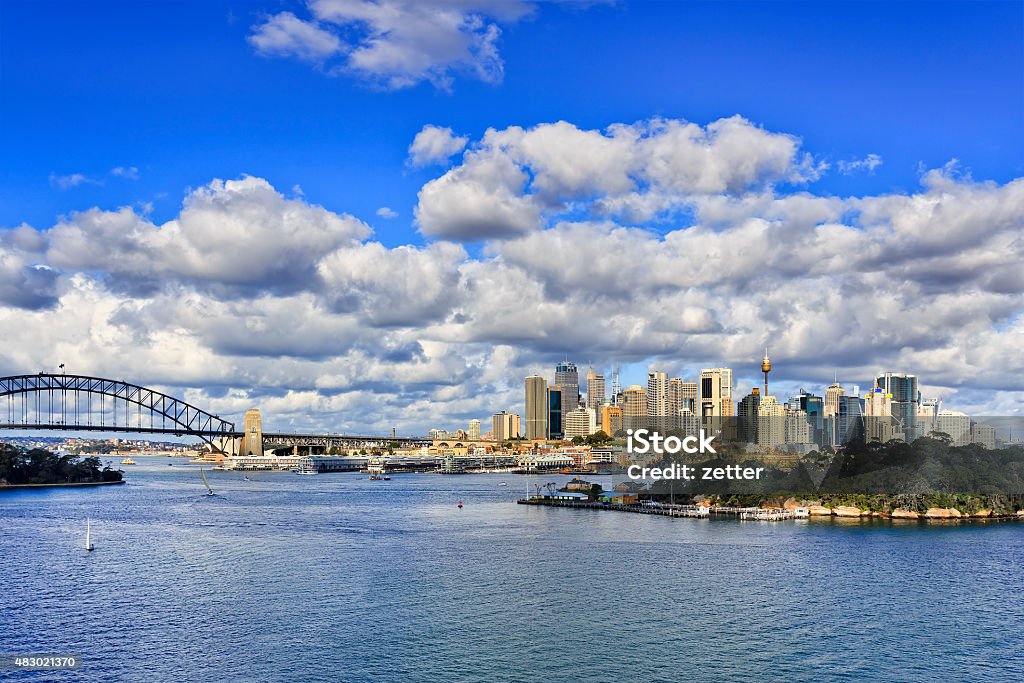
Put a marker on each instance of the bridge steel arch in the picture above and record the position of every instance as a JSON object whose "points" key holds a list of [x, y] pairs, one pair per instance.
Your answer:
{"points": [[64, 400]]}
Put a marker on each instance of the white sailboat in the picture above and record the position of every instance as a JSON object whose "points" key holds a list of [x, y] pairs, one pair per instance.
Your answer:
{"points": [[88, 536], [209, 491]]}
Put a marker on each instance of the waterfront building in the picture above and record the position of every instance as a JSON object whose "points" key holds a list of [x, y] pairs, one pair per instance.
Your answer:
{"points": [[611, 420], [555, 410], [442, 434], [595, 390], [747, 412], [505, 426], [634, 407], [657, 401], [580, 422], [264, 462], [474, 430], [536, 407], [568, 378]]}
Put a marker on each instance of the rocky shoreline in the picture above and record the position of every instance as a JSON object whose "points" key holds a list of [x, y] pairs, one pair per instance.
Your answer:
{"points": [[931, 514]]}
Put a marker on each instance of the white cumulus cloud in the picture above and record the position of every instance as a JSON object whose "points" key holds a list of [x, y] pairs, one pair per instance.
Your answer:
{"points": [[434, 144], [285, 35], [395, 43], [515, 179]]}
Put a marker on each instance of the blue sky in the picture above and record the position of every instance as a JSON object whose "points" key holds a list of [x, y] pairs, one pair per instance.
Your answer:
{"points": [[838, 181], [175, 90]]}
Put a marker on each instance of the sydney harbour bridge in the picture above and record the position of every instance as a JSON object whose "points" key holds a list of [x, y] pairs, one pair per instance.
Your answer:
{"points": [[80, 403]]}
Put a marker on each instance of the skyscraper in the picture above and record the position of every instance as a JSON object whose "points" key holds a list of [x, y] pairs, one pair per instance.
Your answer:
{"points": [[611, 420], [906, 400], [771, 423], [634, 407], [595, 390], [849, 420], [675, 396], [580, 422], [536, 407], [983, 434], [926, 414], [747, 413], [832, 394], [474, 429], [682, 400], [555, 410], [954, 424], [878, 416], [568, 378], [716, 392], [504, 426], [657, 400]]}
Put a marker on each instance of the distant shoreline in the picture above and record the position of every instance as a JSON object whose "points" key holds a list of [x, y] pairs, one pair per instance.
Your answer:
{"points": [[16, 487]]}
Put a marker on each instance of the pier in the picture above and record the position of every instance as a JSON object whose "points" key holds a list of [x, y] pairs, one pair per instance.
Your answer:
{"points": [[689, 511]]}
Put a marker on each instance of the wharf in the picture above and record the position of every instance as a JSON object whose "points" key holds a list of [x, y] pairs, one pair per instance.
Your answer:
{"points": [[692, 511]]}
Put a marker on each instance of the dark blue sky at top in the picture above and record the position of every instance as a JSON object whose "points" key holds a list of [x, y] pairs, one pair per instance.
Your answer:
{"points": [[174, 89]]}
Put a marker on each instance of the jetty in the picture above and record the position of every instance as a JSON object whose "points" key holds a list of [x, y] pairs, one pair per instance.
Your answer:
{"points": [[647, 507]]}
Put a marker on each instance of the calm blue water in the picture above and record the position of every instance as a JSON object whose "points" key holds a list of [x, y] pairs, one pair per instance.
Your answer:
{"points": [[335, 577]]}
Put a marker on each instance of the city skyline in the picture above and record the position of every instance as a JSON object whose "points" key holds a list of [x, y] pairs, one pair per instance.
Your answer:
{"points": [[713, 393], [351, 243]]}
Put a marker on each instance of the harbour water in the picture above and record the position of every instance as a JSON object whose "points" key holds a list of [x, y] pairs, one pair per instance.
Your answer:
{"points": [[335, 577]]}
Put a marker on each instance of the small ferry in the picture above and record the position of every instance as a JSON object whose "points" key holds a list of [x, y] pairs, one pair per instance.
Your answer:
{"points": [[128, 461]]}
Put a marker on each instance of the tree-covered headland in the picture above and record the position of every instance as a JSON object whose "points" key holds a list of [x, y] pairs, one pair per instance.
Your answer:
{"points": [[19, 466]]}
